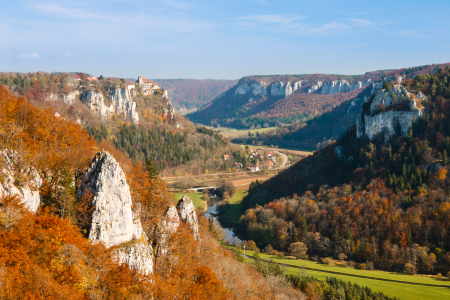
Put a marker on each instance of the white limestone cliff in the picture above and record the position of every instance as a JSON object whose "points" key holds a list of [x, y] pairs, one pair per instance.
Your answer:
{"points": [[113, 221], [257, 89], [188, 215], [167, 227], [314, 88], [68, 99], [384, 115], [124, 104], [24, 182], [285, 90], [97, 104], [342, 86], [171, 110]]}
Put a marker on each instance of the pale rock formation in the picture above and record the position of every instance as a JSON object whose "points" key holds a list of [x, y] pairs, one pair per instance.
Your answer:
{"points": [[168, 226], [113, 222], [257, 89], [30, 181], [285, 90], [386, 98], [171, 110], [187, 214], [124, 104], [70, 98], [97, 104], [385, 121], [379, 85], [315, 88], [342, 86], [52, 97]]}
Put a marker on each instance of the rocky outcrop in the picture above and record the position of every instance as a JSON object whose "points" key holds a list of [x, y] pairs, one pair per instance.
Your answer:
{"points": [[388, 109], [188, 215], [113, 221], [171, 114], [21, 182], [97, 104], [342, 86], [314, 88], [379, 85], [68, 99], [256, 89], [124, 104], [167, 227], [284, 90]]}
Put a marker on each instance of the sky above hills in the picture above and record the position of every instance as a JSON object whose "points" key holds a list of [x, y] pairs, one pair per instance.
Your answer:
{"points": [[221, 39]]}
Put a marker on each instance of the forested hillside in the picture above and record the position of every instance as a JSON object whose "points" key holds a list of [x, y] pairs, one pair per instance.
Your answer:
{"points": [[383, 201], [329, 126], [145, 126], [194, 93], [46, 254]]}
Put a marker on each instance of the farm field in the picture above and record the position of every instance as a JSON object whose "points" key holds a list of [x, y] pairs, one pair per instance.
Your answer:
{"points": [[235, 208], [379, 281], [231, 133]]}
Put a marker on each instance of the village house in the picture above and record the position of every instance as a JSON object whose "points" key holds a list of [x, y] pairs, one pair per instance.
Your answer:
{"points": [[226, 157], [89, 80]]}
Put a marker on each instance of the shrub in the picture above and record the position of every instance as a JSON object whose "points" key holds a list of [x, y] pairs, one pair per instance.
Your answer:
{"points": [[448, 274], [351, 264], [327, 261], [370, 265], [342, 256], [409, 269], [362, 266], [298, 250]]}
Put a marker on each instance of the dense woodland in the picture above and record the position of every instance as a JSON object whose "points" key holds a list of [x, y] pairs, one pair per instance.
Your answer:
{"points": [[194, 93], [386, 203], [47, 255]]}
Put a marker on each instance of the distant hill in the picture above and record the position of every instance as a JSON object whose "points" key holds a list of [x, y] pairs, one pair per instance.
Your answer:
{"points": [[380, 188], [194, 93], [289, 99]]}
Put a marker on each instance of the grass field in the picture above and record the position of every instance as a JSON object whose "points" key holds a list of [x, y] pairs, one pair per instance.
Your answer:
{"points": [[197, 198], [235, 208], [392, 289], [233, 133]]}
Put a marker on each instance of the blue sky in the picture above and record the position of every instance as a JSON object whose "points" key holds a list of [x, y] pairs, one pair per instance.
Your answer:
{"points": [[221, 39]]}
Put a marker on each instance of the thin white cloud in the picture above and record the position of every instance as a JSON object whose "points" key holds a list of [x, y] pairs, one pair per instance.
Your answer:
{"points": [[271, 19], [67, 12], [361, 22], [68, 54], [31, 55]]}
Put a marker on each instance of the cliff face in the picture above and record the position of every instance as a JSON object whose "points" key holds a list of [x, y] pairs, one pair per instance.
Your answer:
{"points": [[285, 90], [187, 214], [97, 104], [121, 99], [389, 108], [342, 86], [258, 89], [21, 182], [113, 222], [168, 226]]}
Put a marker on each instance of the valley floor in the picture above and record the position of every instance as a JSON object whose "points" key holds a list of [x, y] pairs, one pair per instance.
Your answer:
{"points": [[392, 284]]}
